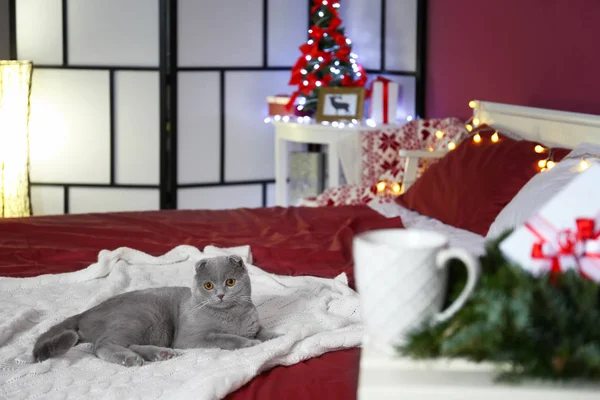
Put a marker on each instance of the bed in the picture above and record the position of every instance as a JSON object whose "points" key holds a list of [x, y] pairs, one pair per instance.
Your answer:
{"points": [[294, 241]]}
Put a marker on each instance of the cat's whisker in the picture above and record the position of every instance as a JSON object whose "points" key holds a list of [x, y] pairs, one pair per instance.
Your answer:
{"points": [[240, 300], [197, 308], [238, 303]]}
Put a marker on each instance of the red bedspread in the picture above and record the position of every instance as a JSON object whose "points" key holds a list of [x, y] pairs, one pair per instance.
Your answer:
{"points": [[291, 241]]}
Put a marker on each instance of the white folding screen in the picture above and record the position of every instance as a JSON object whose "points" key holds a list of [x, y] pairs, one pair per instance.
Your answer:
{"points": [[148, 104], [95, 126], [232, 54]]}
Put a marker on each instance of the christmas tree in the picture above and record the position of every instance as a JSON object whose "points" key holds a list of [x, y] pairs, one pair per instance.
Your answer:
{"points": [[326, 58]]}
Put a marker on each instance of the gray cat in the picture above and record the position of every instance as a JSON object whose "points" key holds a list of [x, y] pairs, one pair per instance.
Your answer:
{"points": [[146, 325]]}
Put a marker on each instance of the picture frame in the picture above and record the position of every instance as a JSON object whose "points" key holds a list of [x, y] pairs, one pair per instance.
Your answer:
{"points": [[340, 103]]}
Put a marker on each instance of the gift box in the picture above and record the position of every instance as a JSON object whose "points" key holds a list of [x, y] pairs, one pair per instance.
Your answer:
{"points": [[564, 234], [277, 105], [384, 100]]}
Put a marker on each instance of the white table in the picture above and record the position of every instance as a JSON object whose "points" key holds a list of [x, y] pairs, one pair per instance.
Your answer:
{"points": [[306, 133], [385, 378]]}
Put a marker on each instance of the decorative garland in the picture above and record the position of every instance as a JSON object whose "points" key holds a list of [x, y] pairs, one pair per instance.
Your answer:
{"points": [[546, 327]]}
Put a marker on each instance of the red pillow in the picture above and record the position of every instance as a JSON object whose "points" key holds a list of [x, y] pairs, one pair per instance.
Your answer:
{"points": [[469, 186]]}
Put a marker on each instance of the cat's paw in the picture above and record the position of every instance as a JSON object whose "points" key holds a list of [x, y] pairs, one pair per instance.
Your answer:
{"points": [[132, 360], [251, 342], [165, 354], [267, 335], [154, 353]]}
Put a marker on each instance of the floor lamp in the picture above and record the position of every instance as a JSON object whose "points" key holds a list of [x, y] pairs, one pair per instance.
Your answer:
{"points": [[15, 90]]}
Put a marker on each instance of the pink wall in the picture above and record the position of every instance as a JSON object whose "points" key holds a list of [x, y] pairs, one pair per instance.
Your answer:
{"points": [[539, 53]]}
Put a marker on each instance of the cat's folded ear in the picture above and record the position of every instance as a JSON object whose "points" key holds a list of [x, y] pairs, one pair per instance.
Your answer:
{"points": [[237, 261], [201, 264]]}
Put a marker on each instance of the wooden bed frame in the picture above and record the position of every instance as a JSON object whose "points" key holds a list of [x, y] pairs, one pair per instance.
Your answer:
{"points": [[551, 128], [382, 377]]}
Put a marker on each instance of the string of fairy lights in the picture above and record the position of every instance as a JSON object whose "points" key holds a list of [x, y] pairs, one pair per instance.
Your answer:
{"points": [[335, 124], [472, 125], [544, 164], [393, 188]]}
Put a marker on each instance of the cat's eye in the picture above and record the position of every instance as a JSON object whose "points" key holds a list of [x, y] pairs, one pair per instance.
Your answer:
{"points": [[230, 282], [209, 286]]}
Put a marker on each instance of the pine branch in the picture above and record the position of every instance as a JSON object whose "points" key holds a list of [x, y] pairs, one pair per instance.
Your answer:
{"points": [[541, 327]]}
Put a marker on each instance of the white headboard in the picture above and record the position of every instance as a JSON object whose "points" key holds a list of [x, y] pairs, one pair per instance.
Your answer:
{"points": [[548, 127]]}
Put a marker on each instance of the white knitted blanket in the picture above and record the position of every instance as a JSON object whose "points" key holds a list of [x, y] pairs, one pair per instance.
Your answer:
{"points": [[315, 316]]}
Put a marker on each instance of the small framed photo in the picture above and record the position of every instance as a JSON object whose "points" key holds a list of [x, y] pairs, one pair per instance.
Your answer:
{"points": [[340, 103]]}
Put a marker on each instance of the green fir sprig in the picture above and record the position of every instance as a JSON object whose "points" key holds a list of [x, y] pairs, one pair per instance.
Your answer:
{"points": [[545, 327]]}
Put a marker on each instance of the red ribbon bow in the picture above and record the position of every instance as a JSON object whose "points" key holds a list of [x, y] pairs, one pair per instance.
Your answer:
{"points": [[560, 250], [385, 82], [317, 33], [334, 24], [386, 95]]}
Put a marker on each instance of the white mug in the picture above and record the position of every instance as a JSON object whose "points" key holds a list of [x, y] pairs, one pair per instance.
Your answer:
{"points": [[401, 278]]}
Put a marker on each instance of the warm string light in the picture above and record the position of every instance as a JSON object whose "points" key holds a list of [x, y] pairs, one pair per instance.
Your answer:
{"points": [[548, 162], [585, 160], [583, 164], [542, 163], [474, 121], [439, 134], [477, 138], [387, 187]]}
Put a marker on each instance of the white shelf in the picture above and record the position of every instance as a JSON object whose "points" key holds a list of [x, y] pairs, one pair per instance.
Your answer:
{"points": [[383, 377]]}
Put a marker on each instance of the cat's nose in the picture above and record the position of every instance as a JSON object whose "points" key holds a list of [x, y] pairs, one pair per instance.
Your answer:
{"points": [[220, 296]]}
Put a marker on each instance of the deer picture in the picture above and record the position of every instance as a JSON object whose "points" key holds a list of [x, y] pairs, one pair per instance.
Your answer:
{"points": [[338, 105]]}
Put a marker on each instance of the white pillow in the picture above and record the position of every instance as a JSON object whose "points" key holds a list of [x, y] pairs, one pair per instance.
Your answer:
{"points": [[540, 189]]}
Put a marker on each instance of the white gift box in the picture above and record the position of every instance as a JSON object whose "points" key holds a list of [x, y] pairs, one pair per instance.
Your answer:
{"points": [[381, 112], [564, 234]]}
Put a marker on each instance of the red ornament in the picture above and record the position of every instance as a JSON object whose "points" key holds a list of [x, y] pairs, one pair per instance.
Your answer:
{"points": [[577, 248]]}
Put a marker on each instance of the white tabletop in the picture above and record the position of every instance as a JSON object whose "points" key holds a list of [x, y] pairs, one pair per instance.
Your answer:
{"points": [[383, 377]]}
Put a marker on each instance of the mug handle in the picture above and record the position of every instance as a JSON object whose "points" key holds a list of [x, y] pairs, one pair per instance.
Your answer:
{"points": [[472, 265]]}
